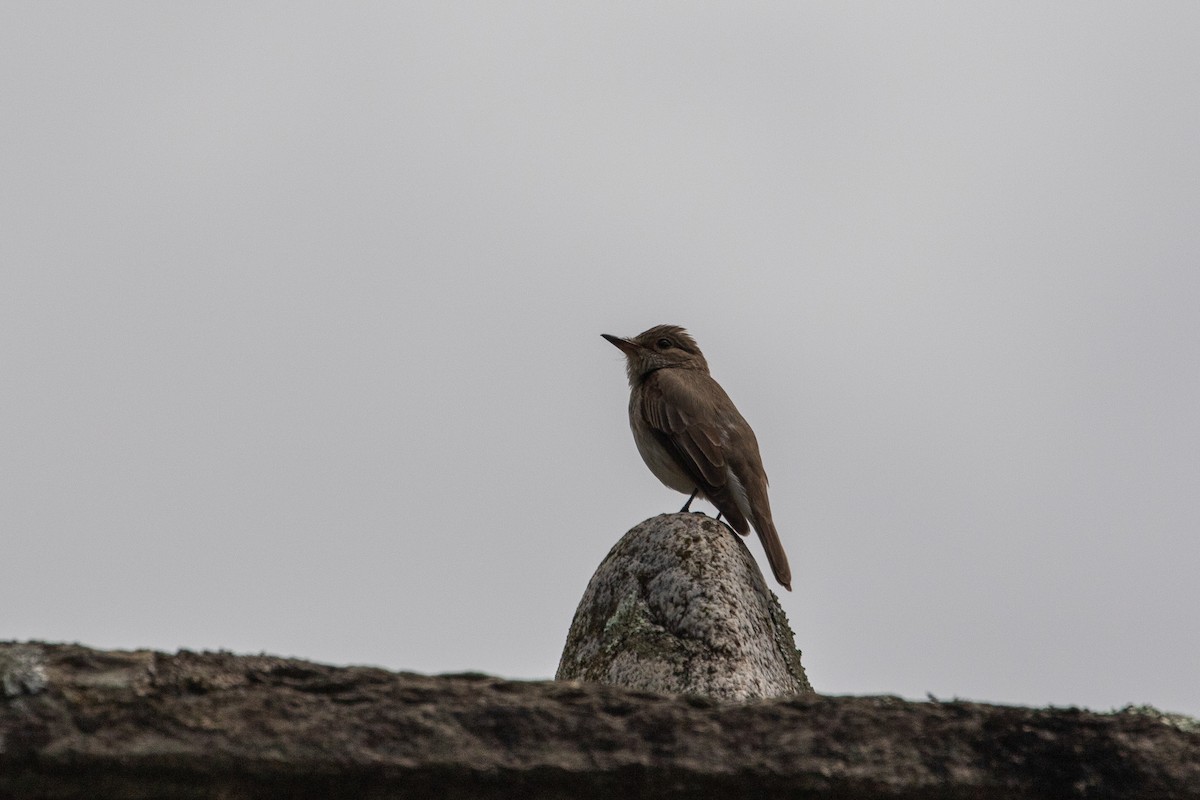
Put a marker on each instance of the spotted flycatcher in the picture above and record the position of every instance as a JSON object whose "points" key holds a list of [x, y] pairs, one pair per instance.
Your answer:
{"points": [[692, 437]]}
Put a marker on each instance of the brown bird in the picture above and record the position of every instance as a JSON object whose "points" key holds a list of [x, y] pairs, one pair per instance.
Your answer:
{"points": [[693, 438]]}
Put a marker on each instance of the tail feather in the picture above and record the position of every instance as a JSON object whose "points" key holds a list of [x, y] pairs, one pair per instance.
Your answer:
{"points": [[774, 550], [758, 512]]}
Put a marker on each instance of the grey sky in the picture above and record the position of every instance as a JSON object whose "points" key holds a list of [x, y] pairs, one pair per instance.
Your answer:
{"points": [[301, 304]]}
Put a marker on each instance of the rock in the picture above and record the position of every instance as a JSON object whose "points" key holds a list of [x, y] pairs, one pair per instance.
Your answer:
{"points": [[214, 726], [679, 605], [21, 670]]}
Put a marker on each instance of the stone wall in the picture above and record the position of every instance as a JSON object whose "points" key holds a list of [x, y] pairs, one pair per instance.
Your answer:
{"points": [[78, 723]]}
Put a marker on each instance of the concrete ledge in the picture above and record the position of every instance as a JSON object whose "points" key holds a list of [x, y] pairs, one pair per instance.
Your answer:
{"points": [[78, 723]]}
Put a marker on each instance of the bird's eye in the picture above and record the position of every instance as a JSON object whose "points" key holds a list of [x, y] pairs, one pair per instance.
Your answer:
{"points": [[663, 344]]}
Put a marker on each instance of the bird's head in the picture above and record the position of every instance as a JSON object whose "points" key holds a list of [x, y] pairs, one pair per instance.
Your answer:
{"points": [[661, 347]]}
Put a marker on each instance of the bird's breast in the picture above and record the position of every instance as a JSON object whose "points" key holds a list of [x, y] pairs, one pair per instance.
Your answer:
{"points": [[658, 458]]}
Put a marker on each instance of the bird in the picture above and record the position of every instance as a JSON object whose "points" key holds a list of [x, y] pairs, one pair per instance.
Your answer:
{"points": [[693, 438]]}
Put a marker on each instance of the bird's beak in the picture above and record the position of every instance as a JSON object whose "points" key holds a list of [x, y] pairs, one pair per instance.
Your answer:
{"points": [[624, 345]]}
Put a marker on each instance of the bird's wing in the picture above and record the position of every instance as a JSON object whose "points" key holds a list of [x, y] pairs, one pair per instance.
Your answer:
{"points": [[678, 415], [683, 421]]}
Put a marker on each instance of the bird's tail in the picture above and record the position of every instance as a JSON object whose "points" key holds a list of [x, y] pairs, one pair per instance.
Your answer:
{"points": [[746, 504], [769, 537], [751, 498]]}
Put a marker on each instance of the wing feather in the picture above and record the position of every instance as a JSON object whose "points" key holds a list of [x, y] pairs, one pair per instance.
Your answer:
{"points": [[682, 419]]}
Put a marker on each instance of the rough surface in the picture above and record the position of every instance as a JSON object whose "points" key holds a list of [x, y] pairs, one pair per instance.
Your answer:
{"points": [[679, 605], [148, 725]]}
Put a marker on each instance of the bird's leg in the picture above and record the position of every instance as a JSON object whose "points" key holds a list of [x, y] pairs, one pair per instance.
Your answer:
{"points": [[718, 516], [689, 502]]}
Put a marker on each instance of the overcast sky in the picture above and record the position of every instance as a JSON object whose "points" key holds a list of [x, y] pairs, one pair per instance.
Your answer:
{"points": [[301, 306]]}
